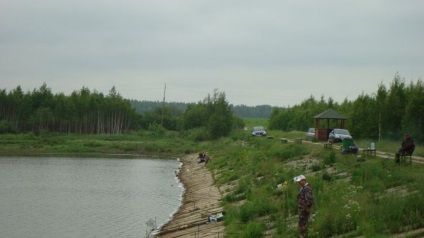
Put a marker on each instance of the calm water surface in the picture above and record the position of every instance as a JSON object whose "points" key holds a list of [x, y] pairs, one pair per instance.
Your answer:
{"points": [[93, 197]]}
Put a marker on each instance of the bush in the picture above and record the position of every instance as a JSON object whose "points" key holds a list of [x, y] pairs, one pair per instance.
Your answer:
{"points": [[156, 130], [316, 167], [254, 230], [199, 134], [5, 127], [254, 209], [330, 159]]}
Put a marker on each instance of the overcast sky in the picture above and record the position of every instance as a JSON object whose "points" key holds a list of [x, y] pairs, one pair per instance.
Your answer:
{"points": [[257, 52]]}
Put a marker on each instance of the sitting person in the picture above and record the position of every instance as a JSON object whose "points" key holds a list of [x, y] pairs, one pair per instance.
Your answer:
{"points": [[407, 147], [202, 157]]}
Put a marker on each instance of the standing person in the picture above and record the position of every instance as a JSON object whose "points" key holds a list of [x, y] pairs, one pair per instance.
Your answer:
{"points": [[407, 147], [305, 199]]}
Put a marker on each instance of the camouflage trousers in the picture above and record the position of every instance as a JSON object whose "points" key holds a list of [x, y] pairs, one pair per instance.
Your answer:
{"points": [[303, 223]]}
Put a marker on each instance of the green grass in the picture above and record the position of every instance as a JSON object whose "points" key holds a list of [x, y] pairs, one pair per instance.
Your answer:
{"points": [[134, 143], [368, 197]]}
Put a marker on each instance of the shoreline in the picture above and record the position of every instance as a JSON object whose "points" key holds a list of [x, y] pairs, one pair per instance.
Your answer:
{"points": [[200, 198]]}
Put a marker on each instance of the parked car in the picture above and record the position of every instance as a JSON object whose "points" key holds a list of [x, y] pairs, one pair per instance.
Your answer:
{"points": [[258, 131], [310, 133], [337, 135]]}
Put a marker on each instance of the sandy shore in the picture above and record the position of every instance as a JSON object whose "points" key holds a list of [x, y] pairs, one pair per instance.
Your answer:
{"points": [[200, 198]]}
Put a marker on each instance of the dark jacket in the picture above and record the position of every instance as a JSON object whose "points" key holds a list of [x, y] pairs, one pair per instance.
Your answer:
{"points": [[408, 146]]}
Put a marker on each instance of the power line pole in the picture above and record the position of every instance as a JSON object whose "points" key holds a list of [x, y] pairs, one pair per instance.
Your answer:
{"points": [[163, 103]]}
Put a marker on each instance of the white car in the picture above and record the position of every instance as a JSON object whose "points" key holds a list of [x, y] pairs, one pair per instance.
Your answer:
{"points": [[310, 133], [258, 131], [337, 135]]}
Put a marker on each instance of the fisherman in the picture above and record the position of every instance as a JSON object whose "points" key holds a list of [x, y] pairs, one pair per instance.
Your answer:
{"points": [[305, 199]]}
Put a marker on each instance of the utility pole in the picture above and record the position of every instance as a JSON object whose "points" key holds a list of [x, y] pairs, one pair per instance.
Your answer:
{"points": [[163, 103]]}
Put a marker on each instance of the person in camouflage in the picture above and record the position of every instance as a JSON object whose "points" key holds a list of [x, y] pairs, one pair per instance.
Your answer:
{"points": [[305, 200]]}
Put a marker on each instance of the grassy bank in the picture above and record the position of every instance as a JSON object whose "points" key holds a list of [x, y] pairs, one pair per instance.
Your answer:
{"points": [[364, 196], [142, 143]]}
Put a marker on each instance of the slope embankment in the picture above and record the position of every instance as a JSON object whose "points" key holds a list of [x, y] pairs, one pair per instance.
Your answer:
{"points": [[200, 199]]}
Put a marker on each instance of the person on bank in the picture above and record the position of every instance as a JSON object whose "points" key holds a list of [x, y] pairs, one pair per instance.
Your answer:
{"points": [[305, 200], [407, 148], [202, 158]]}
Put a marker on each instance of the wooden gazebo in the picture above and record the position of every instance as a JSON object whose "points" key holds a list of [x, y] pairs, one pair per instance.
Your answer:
{"points": [[322, 129]]}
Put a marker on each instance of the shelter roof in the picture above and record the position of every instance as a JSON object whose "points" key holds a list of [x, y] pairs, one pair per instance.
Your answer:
{"points": [[329, 114]]}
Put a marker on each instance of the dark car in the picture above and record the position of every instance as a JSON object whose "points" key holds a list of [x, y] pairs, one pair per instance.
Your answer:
{"points": [[258, 131], [337, 135]]}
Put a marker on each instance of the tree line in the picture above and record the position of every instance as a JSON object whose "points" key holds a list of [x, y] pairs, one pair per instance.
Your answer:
{"points": [[91, 112], [386, 114], [82, 112], [260, 111]]}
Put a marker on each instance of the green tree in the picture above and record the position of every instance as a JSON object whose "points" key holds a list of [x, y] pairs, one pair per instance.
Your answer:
{"points": [[169, 117], [364, 116], [195, 116], [395, 108], [213, 114], [413, 120], [381, 100], [220, 120]]}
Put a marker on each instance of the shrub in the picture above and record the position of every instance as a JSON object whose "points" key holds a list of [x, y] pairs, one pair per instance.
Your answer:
{"points": [[254, 209], [326, 177], [199, 134], [330, 159], [5, 127], [156, 129], [253, 230], [316, 167]]}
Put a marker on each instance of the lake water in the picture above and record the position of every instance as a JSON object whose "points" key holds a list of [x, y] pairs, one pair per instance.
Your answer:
{"points": [[86, 197]]}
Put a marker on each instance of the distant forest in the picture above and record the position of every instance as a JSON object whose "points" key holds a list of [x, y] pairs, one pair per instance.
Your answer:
{"points": [[41, 111], [82, 112], [262, 111], [386, 114]]}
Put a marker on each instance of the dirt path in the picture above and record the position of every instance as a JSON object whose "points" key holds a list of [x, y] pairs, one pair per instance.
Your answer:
{"points": [[381, 154], [200, 198]]}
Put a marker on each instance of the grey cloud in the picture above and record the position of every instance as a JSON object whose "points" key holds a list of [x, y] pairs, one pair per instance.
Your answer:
{"points": [[215, 41]]}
